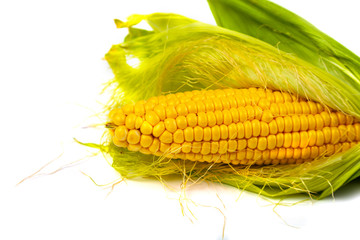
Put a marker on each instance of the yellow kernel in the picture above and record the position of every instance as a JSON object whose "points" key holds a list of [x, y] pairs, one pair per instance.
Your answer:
{"points": [[289, 107], [320, 138], [117, 116], [205, 148], [256, 128], [262, 143], [225, 103], [160, 111], [149, 106], [139, 108], [295, 140], [334, 122], [350, 133], [128, 109], [271, 142], [289, 154], [288, 124], [349, 120], [158, 129], [252, 142], [264, 129], [295, 123], [154, 146], [170, 124], [274, 108], [273, 127], [281, 153], [219, 117], [181, 122], [186, 147], [312, 107], [215, 133], [227, 117], [287, 140], [282, 109], [134, 147], [274, 153], [234, 115], [200, 106], [335, 135], [343, 133], [311, 122], [304, 139], [181, 109], [248, 129], [209, 106], [191, 119], [179, 136], [217, 104], [130, 121], [305, 107], [146, 140], [223, 147], [138, 122], [175, 148], [214, 147], [192, 108], [165, 147], [232, 131], [304, 123], [297, 108], [232, 145], [189, 134], [171, 112], [297, 153], [357, 131], [305, 153], [312, 137], [121, 133], [314, 152], [152, 118], [280, 124], [327, 134], [146, 128], [240, 130], [202, 119], [241, 144], [224, 132], [211, 119], [326, 118], [166, 137], [198, 133], [133, 136], [279, 140], [250, 112], [207, 134], [242, 114], [267, 116], [319, 123], [264, 104]]}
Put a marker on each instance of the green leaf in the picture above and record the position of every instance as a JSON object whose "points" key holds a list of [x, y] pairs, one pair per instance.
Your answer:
{"points": [[287, 31]]}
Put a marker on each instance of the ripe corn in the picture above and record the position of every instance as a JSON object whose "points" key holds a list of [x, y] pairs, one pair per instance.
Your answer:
{"points": [[237, 126]]}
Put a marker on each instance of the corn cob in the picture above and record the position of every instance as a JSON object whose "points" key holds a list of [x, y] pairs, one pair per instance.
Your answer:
{"points": [[237, 126]]}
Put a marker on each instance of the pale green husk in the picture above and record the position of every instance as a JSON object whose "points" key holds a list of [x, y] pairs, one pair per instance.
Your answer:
{"points": [[182, 54]]}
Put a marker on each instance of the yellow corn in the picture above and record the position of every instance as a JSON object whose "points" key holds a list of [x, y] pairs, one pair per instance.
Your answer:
{"points": [[237, 126]]}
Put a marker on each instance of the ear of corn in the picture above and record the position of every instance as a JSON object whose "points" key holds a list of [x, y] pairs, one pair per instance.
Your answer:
{"points": [[182, 55], [237, 126]]}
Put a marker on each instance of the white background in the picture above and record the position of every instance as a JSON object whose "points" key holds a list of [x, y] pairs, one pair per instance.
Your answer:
{"points": [[51, 76]]}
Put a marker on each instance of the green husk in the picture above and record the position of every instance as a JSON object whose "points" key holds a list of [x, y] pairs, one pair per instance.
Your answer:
{"points": [[288, 32], [182, 54]]}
